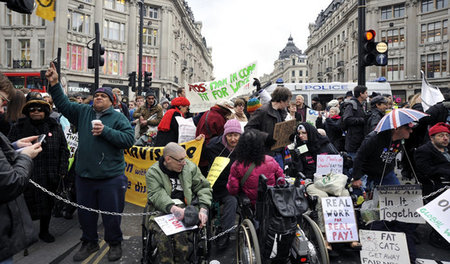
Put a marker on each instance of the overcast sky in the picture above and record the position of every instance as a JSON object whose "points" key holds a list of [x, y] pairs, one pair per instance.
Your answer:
{"points": [[242, 31]]}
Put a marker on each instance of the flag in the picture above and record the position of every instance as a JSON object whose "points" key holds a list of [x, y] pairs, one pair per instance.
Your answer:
{"points": [[46, 9], [430, 95]]}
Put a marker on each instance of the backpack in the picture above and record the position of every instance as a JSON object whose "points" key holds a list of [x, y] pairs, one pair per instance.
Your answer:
{"points": [[282, 207]]}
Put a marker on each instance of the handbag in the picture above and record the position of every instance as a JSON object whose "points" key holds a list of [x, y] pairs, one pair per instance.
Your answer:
{"points": [[21, 6], [62, 191]]}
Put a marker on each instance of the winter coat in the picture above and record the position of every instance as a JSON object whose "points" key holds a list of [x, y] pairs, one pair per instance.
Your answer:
{"points": [[16, 228], [192, 181], [376, 150], [332, 126], [372, 121], [146, 112], [439, 112], [433, 169], [354, 122], [164, 137], [98, 157], [264, 120], [49, 165], [212, 123], [270, 168], [213, 149]]}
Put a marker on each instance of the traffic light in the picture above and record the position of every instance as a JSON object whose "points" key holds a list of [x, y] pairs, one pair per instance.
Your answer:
{"points": [[147, 81], [132, 81], [101, 52], [97, 52], [373, 53]]}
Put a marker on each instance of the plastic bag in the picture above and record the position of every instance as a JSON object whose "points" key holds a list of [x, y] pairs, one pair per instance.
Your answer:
{"points": [[332, 183]]}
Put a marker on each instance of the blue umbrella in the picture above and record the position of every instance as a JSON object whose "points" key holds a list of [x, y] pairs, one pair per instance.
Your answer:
{"points": [[397, 118]]}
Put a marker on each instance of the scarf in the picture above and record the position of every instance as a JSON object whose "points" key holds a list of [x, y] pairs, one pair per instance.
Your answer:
{"points": [[164, 125], [336, 117]]}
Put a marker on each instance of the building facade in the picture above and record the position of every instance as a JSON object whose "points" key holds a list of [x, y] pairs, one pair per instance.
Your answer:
{"points": [[416, 32], [173, 48], [291, 66]]}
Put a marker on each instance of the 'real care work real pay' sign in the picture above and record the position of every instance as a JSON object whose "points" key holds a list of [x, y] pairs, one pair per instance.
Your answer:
{"points": [[400, 202], [380, 247], [437, 214], [204, 95], [339, 219]]}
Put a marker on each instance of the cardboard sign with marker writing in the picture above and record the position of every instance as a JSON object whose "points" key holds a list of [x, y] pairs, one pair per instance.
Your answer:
{"points": [[281, 133], [339, 219]]}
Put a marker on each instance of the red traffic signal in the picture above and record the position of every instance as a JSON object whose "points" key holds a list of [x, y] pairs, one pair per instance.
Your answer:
{"points": [[369, 35]]}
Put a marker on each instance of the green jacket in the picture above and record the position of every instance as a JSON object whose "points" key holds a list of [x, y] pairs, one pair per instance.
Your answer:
{"points": [[98, 157], [191, 179]]}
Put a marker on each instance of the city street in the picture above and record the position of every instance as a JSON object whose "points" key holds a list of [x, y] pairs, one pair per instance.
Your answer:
{"points": [[67, 235]]}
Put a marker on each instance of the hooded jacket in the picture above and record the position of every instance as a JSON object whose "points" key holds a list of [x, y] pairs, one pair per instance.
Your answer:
{"points": [[354, 122], [212, 122]]}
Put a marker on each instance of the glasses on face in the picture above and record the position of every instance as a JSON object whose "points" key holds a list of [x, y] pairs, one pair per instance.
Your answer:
{"points": [[38, 108], [5, 100], [178, 160]]}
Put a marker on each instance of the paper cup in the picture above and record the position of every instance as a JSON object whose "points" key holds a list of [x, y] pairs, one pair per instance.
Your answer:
{"points": [[96, 121]]}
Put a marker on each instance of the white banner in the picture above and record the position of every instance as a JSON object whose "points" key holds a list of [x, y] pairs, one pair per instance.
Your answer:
{"points": [[339, 219], [204, 95], [430, 95], [383, 247], [311, 116], [437, 214]]}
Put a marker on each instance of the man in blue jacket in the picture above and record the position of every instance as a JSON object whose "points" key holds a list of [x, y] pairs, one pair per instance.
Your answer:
{"points": [[101, 183]]}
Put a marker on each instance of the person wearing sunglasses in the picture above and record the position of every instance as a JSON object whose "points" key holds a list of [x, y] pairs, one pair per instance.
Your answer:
{"points": [[16, 227], [50, 166]]}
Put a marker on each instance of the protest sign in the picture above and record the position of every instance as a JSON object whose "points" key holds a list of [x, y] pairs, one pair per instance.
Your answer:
{"points": [[204, 95], [329, 163], [170, 225], [400, 202], [72, 142], [437, 214], [139, 159], [430, 261], [186, 129], [281, 133], [219, 164], [339, 219], [311, 116], [383, 247]]}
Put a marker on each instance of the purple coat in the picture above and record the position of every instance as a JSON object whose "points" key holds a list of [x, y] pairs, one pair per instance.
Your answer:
{"points": [[269, 168]]}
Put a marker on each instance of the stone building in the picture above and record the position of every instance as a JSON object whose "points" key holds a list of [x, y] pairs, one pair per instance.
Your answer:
{"points": [[290, 66], [174, 49], [416, 32]]}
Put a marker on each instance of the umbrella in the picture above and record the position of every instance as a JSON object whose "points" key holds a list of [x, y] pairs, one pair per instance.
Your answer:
{"points": [[397, 118]]}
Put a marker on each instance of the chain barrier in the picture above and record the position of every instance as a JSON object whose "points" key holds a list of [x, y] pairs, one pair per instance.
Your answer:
{"points": [[221, 234]]}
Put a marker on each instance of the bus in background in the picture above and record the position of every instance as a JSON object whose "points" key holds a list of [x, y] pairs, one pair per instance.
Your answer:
{"points": [[30, 80]]}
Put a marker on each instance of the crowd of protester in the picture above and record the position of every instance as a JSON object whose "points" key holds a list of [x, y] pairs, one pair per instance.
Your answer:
{"points": [[240, 130]]}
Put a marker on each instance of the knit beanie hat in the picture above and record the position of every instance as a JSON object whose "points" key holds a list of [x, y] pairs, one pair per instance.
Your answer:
{"points": [[107, 91], [232, 126], [438, 128], [180, 101], [253, 104]]}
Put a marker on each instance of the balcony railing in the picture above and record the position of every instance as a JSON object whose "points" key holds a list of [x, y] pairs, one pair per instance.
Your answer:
{"points": [[22, 64]]}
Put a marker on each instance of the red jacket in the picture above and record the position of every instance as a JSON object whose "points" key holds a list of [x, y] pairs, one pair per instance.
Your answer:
{"points": [[269, 168], [216, 121]]}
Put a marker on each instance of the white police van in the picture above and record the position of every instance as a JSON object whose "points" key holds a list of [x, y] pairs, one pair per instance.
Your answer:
{"points": [[329, 91]]}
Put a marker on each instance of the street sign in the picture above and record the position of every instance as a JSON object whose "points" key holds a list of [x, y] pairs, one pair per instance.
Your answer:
{"points": [[381, 59], [381, 47]]}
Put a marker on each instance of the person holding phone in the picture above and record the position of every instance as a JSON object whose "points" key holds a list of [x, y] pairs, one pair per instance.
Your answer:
{"points": [[49, 166], [100, 166]]}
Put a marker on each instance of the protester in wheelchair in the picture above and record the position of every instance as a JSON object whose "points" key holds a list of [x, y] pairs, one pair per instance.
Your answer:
{"points": [[219, 150], [250, 163], [173, 183]]}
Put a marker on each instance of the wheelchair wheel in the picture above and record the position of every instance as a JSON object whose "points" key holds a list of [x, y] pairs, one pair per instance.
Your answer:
{"points": [[317, 248], [148, 252], [247, 244]]}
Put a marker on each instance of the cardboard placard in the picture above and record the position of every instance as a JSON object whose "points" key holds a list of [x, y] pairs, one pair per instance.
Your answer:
{"points": [[437, 214], [219, 164], [339, 219], [281, 133], [383, 247], [170, 225], [329, 163], [400, 202]]}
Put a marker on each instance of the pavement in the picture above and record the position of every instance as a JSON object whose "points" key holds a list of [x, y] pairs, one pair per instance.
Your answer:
{"points": [[68, 233]]}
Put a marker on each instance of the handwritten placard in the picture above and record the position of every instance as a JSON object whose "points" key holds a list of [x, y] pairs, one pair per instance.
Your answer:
{"points": [[170, 225], [400, 202], [437, 214], [339, 218], [219, 164], [281, 133], [329, 164], [383, 247]]}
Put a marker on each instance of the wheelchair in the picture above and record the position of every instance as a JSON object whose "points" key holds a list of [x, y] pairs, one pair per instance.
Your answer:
{"points": [[200, 242], [308, 245]]}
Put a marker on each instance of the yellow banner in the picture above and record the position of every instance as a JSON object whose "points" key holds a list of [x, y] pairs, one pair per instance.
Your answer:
{"points": [[139, 159], [46, 9], [217, 167]]}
